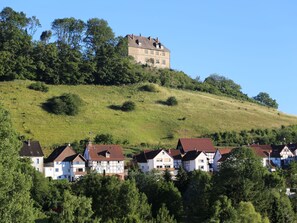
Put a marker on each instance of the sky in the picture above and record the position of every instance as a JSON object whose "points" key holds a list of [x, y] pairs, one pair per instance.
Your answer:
{"points": [[252, 42]]}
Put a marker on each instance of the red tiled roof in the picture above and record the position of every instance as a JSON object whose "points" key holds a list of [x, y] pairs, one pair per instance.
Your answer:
{"points": [[98, 152], [146, 155], [200, 144], [225, 150], [174, 153]]}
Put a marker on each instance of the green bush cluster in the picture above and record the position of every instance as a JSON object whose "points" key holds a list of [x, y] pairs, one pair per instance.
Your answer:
{"points": [[38, 86], [66, 104], [149, 88], [171, 101], [128, 106]]}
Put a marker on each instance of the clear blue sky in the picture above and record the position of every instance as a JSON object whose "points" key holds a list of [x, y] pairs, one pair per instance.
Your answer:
{"points": [[251, 42]]}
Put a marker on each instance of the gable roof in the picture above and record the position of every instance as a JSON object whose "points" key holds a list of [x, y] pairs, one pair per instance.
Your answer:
{"points": [[99, 152], [31, 149], [200, 144], [146, 43], [63, 154], [146, 155], [191, 155]]}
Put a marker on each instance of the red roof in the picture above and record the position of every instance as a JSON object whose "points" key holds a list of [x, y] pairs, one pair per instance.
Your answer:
{"points": [[105, 152], [225, 150], [200, 144], [174, 153]]}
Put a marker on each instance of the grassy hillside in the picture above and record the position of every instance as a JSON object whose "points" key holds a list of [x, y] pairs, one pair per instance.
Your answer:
{"points": [[152, 122]]}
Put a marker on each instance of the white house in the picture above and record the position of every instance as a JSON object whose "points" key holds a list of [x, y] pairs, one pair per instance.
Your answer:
{"points": [[200, 144], [195, 160], [218, 156], [65, 163], [282, 155], [105, 159], [33, 151], [154, 159]]}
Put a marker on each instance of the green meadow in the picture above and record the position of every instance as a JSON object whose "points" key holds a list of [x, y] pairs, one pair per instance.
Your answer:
{"points": [[152, 123]]}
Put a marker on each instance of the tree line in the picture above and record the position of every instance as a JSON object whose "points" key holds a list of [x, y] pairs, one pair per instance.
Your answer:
{"points": [[77, 52], [276, 136]]}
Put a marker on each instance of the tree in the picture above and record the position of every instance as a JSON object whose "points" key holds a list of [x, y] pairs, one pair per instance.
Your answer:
{"points": [[264, 99], [104, 139], [164, 216], [167, 176], [128, 106], [182, 180], [171, 101], [16, 204], [246, 213]]}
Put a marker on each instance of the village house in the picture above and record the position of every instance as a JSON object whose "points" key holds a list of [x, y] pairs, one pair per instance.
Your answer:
{"points": [[148, 50], [65, 163], [195, 160], [219, 157], [105, 159], [33, 151], [197, 144], [149, 160], [177, 158], [282, 155]]}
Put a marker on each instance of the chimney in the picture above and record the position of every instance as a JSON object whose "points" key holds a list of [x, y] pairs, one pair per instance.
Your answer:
{"points": [[69, 144], [29, 143], [157, 40]]}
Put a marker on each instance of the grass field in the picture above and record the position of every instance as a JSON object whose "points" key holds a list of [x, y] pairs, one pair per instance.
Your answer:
{"points": [[152, 122]]}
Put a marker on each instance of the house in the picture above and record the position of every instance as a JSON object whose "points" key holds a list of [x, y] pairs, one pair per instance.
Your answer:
{"points": [[264, 152], [195, 160], [177, 158], [218, 157], [105, 159], [282, 155], [154, 159], [198, 144], [148, 50], [65, 163], [33, 151]]}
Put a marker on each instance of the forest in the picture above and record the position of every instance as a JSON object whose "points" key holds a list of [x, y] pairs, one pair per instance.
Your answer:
{"points": [[76, 52]]}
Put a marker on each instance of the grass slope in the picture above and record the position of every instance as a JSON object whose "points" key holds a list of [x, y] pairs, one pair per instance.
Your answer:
{"points": [[152, 122]]}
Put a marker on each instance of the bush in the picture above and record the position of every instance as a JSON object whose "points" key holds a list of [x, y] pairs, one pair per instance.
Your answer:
{"points": [[66, 104], [128, 106], [171, 101], [38, 86], [104, 139], [149, 88]]}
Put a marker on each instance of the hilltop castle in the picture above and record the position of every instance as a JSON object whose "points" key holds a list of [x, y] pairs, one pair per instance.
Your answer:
{"points": [[148, 50]]}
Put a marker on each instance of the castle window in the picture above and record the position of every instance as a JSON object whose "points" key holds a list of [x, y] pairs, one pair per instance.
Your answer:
{"points": [[152, 52], [157, 61], [163, 53], [163, 62]]}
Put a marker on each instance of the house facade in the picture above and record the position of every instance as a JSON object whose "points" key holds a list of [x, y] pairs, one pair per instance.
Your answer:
{"points": [[105, 159], [148, 50], [195, 160], [218, 158], [150, 160], [33, 151], [197, 144], [65, 163]]}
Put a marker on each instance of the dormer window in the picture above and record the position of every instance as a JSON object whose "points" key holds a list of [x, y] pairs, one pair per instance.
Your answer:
{"points": [[107, 154]]}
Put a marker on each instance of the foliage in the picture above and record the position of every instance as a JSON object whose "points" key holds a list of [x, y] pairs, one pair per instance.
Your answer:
{"points": [[164, 216], [255, 136], [16, 203], [104, 139], [38, 86], [128, 106], [66, 104], [264, 99], [171, 101], [149, 88]]}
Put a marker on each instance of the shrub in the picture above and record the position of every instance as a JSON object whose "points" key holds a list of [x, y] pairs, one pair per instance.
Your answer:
{"points": [[38, 86], [149, 88], [171, 101], [128, 106], [104, 139], [66, 104]]}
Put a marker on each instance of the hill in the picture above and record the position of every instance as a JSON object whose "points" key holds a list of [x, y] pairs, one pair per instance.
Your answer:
{"points": [[151, 123]]}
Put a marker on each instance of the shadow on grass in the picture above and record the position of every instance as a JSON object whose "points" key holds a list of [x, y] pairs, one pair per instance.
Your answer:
{"points": [[115, 107], [161, 102]]}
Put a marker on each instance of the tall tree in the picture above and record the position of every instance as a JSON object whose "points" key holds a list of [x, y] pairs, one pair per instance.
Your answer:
{"points": [[265, 99], [16, 204]]}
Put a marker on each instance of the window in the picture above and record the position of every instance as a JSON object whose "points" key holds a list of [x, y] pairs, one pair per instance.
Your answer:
{"points": [[152, 52], [159, 160], [157, 52], [167, 166], [163, 53], [37, 161], [159, 167], [107, 162], [157, 61], [201, 161], [201, 167], [80, 170], [146, 51], [68, 170], [163, 62], [57, 170]]}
